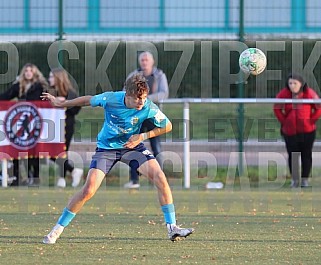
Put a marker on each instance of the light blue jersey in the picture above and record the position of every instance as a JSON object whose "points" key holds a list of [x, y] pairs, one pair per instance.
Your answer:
{"points": [[122, 122]]}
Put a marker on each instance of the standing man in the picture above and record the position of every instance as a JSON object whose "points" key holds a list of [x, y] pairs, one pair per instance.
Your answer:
{"points": [[158, 90]]}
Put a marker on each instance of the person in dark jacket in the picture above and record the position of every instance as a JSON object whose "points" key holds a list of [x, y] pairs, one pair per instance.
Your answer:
{"points": [[298, 126], [158, 90], [29, 86], [59, 80]]}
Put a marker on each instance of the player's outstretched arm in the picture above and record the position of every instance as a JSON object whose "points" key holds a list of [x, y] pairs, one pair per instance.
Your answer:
{"points": [[62, 102]]}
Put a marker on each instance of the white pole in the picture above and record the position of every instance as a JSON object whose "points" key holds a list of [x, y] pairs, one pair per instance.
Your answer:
{"points": [[4, 173], [242, 100], [187, 173]]}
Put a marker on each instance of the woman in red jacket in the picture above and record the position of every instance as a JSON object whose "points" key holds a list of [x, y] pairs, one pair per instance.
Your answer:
{"points": [[298, 126]]}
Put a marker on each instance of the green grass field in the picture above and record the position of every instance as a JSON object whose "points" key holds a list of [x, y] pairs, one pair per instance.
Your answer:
{"points": [[251, 224], [118, 227]]}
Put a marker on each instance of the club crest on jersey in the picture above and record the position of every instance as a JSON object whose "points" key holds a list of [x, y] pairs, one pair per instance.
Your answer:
{"points": [[22, 125], [134, 120]]}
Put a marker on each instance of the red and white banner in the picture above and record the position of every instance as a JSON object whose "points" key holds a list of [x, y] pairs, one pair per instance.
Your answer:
{"points": [[31, 129]]}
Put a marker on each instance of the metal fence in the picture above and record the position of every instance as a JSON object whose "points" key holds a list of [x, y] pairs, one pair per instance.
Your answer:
{"points": [[29, 20], [238, 151], [165, 17], [186, 127]]}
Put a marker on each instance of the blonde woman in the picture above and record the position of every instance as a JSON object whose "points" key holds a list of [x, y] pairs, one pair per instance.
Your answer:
{"points": [[59, 80], [29, 86]]}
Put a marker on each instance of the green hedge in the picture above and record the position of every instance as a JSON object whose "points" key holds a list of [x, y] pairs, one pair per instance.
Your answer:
{"points": [[167, 60]]}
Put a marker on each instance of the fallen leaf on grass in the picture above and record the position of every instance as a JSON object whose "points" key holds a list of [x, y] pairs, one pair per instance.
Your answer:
{"points": [[186, 257]]}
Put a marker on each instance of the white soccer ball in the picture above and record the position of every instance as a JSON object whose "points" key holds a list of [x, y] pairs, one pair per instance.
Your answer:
{"points": [[252, 61]]}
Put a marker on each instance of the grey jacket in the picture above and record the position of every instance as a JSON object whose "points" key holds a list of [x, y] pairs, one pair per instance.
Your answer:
{"points": [[160, 83]]}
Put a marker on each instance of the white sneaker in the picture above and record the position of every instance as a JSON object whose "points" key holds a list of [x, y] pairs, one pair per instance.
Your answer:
{"points": [[61, 183], [304, 183], [53, 235], [214, 185], [9, 179], [175, 233], [76, 175], [294, 183], [31, 181], [131, 185]]}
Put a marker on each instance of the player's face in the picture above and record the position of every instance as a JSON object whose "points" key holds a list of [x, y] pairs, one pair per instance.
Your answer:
{"points": [[294, 85], [146, 63], [51, 80], [28, 73], [134, 102]]}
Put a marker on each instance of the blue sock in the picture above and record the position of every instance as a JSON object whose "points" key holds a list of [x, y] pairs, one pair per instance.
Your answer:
{"points": [[66, 217], [169, 213]]}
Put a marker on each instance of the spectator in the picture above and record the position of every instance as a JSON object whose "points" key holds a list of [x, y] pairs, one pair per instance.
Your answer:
{"points": [[158, 90], [298, 126], [59, 80], [29, 86]]}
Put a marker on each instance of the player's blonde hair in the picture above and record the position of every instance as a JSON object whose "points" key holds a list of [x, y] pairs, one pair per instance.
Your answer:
{"points": [[62, 82], [36, 78], [136, 85]]}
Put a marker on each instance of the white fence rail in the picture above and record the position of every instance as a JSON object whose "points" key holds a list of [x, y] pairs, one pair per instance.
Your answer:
{"points": [[186, 117]]}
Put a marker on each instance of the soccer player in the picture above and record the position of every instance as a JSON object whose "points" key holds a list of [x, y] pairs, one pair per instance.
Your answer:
{"points": [[120, 140], [157, 82]]}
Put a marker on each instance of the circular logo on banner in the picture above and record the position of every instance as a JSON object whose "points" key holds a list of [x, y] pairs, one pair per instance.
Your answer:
{"points": [[22, 125]]}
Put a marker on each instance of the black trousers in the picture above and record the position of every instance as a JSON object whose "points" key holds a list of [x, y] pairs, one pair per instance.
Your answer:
{"points": [[63, 163], [155, 144], [296, 145], [33, 169]]}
